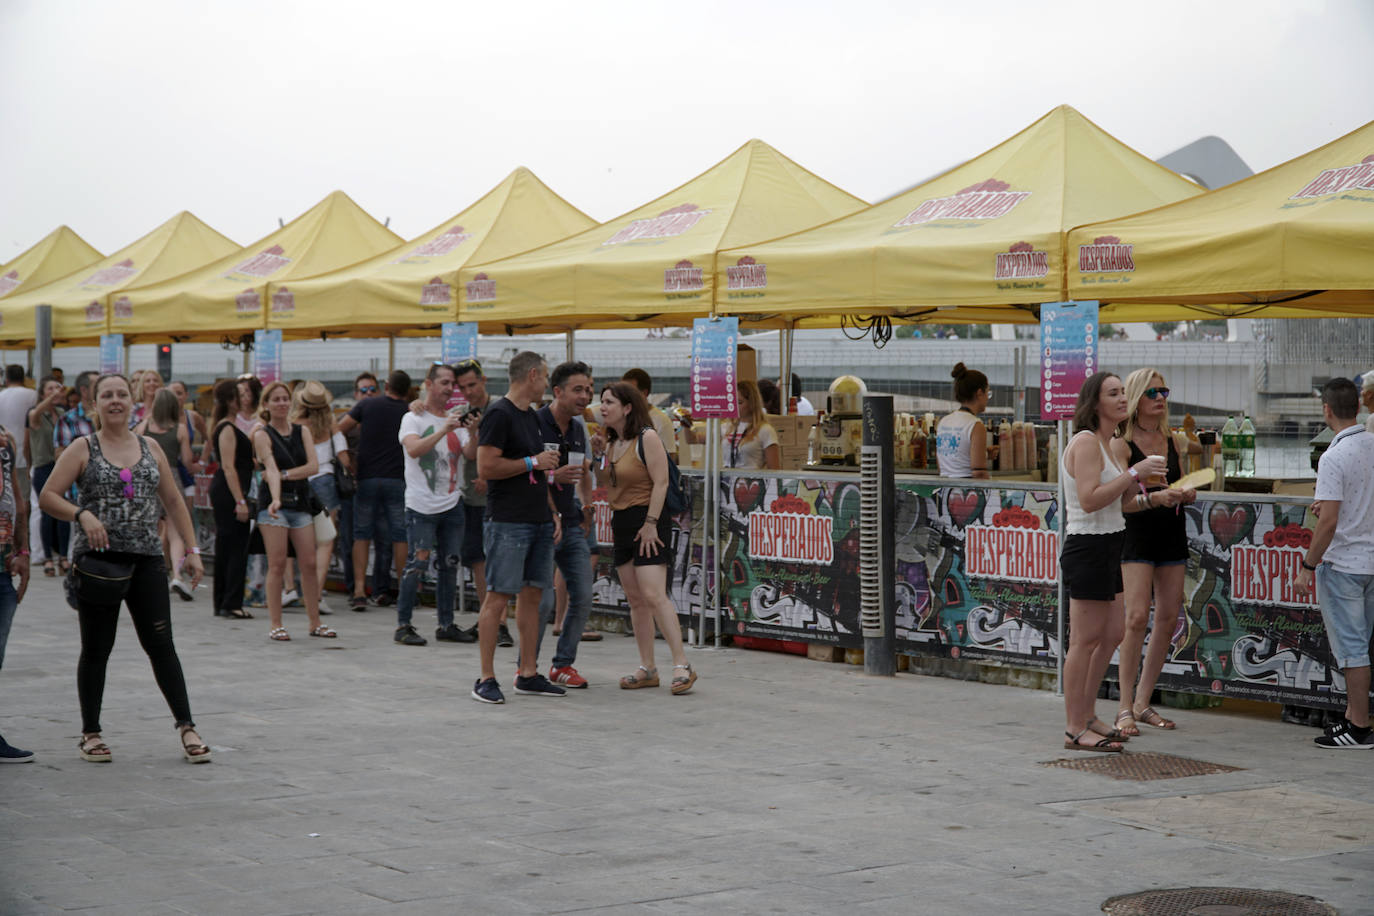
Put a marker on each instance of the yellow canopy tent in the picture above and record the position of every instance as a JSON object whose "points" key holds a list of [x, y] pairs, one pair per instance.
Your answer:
{"points": [[58, 253], [410, 290], [1295, 241], [984, 242], [228, 296], [654, 264], [79, 300]]}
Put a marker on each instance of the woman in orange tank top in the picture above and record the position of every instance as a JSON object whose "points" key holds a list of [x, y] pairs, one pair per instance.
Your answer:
{"points": [[636, 468]]}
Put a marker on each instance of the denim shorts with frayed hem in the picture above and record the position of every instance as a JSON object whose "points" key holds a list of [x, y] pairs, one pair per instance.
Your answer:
{"points": [[1347, 603], [286, 518], [519, 554]]}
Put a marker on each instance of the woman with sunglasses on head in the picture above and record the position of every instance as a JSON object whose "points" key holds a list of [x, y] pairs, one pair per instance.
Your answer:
{"points": [[1154, 554], [125, 484], [636, 467], [750, 442], [286, 451], [1098, 490]]}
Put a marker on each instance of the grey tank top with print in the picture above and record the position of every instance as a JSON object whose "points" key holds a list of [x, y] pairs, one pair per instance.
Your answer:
{"points": [[130, 521]]}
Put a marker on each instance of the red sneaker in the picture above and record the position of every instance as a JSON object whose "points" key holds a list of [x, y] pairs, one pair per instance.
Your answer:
{"points": [[567, 676]]}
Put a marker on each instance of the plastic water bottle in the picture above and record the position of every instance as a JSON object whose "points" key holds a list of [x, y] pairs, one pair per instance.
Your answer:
{"points": [[1230, 448], [1247, 448]]}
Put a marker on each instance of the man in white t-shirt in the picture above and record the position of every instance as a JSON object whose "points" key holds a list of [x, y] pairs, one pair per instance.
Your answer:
{"points": [[433, 443], [804, 407], [15, 403], [1342, 557]]}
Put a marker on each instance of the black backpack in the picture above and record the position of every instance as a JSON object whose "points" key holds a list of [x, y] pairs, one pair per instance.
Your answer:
{"points": [[675, 500]]}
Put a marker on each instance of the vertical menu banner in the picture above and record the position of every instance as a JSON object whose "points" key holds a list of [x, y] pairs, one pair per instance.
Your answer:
{"points": [[111, 353], [714, 368], [267, 355], [1068, 355], [459, 341]]}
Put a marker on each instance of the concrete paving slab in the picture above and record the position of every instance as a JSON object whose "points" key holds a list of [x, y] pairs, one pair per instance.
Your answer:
{"points": [[778, 785]]}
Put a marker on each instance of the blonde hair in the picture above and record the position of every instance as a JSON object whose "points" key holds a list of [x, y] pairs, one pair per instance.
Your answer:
{"points": [[1136, 383], [755, 415], [267, 393], [143, 377]]}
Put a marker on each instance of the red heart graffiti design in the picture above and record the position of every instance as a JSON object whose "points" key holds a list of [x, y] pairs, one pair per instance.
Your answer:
{"points": [[1227, 525], [748, 494], [965, 506]]}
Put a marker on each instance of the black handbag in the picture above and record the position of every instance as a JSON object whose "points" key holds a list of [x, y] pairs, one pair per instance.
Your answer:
{"points": [[101, 580], [344, 481]]}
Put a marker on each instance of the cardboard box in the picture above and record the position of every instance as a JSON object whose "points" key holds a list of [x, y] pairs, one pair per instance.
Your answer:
{"points": [[792, 429], [747, 363]]}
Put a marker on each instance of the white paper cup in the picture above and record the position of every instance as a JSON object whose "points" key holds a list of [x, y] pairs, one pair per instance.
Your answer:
{"points": [[577, 459]]}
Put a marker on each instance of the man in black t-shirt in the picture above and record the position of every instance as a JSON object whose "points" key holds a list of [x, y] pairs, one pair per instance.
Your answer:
{"points": [[381, 480], [521, 524]]}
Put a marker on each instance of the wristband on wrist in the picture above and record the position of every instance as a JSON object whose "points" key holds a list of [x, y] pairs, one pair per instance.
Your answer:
{"points": [[194, 550], [650, 520], [529, 463], [1134, 475], [21, 553], [1306, 566], [241, 502], [77, 516]]}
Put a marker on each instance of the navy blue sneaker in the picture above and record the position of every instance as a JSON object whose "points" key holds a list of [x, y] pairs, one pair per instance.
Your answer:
{"points": [[487, 691], [538, 686], [11, 754]]}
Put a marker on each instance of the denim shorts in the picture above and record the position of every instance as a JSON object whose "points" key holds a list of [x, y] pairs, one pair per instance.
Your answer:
{"points": [[1347, 602], [286, 518], [518, 555], [327, 492], [385, 496]]}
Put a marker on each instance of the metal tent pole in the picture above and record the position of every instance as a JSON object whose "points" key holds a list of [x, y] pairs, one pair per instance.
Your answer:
{"points": [[1063, 597]]}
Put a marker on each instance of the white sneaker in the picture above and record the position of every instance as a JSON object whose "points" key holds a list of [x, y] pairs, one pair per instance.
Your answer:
{"points": [[290, 598], [180, 589]]}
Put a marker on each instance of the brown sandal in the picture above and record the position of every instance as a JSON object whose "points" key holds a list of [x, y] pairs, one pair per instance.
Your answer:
{"points": [[1105, 746], [95, 750], [1154, 719], [1127, 727], [636, 681], [195, 752], [1111, 734], [683, 682]]}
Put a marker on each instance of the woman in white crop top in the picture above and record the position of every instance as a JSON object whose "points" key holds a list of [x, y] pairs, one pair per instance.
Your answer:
{"points": [[1096, 492]]}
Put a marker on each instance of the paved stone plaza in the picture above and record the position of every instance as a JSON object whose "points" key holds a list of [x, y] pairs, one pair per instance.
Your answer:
{"points": [[356, 776]]}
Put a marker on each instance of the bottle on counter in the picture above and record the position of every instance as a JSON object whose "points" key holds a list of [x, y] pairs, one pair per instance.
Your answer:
{"points": [[917, 458], [1230, 447], [813, 444], [932, 459], [901, 441], [1247, 448], [1032, 448], [1006, 449]]}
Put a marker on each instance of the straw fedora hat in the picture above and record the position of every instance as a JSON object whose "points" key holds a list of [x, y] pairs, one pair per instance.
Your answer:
{"points": [[314, 395]]}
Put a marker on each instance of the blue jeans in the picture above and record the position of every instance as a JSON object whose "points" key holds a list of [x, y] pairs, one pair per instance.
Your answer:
{"points": [[574, 560], [9, 600], [378, 498], [424, 532], [519, 554]]}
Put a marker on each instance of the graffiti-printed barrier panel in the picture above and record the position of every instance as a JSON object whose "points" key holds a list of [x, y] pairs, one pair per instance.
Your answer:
{"points": [[977, 577]]}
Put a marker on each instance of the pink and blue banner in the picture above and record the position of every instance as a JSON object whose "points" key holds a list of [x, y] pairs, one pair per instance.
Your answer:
{"points": [[458, 341], [1068, 355], [111, 353], [714, 367], [267, 355]]}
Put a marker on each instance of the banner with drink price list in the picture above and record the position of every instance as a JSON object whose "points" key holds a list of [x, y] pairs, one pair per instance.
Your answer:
{"points": [[714, 367], [111, 353], [1068, 355]]}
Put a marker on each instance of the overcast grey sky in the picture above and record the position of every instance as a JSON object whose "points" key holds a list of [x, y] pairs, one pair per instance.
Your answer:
{"points": [[114, 116]]}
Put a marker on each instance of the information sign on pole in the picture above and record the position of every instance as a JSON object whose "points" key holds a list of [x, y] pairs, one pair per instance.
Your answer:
{"points": [[1067, 355], [459, 342], [267, 355], [714, 367], [111, 353]]}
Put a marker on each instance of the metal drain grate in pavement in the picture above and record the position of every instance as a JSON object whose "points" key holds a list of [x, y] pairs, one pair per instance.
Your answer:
{"points": [[1216, 901], [1141, 767]]}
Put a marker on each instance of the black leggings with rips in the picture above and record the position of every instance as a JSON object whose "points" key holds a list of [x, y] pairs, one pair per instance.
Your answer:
{"points": [[152, 614]]}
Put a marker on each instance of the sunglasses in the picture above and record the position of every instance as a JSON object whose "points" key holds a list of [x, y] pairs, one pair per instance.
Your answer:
{"points": [[1156, 393], [367, 389], [467, 365], [126, 475]]}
